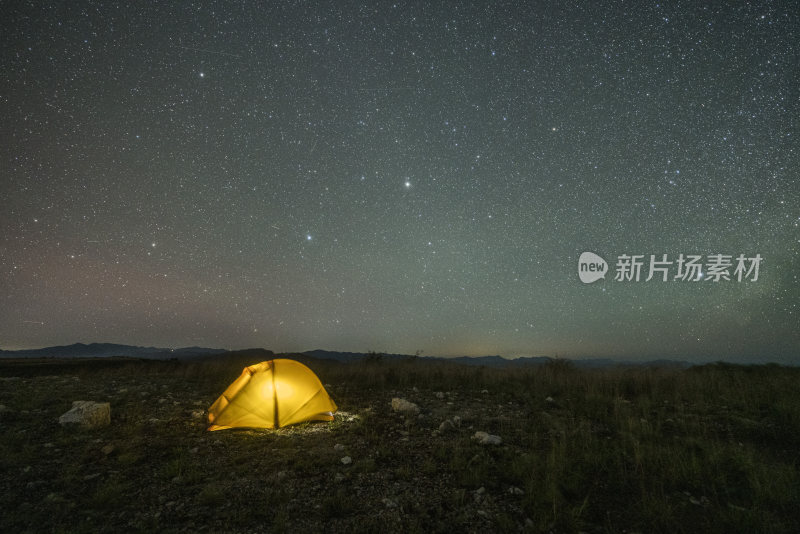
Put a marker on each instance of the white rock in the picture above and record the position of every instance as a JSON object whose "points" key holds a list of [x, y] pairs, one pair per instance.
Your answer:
{"points": [[439, 394], [484, 438], [404, 407], [197, 414], [456, 420], [87, 414], [338, 447], [346, 460], [446, 426], [549, 399], [513, 490]]}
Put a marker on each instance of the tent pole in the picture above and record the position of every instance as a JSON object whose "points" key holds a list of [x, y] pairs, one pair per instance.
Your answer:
{"points": [[274, 397]]}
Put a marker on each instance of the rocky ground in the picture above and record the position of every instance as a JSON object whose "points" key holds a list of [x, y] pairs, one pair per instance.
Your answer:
{"points": [[477, 458]]}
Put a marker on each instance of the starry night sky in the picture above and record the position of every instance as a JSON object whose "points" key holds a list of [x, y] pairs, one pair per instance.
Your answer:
{"points": [[399, 177]]}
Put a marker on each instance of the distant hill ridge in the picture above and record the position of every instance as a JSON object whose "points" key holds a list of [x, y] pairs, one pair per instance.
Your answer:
{"points": [[493, 361], [107, 350]]}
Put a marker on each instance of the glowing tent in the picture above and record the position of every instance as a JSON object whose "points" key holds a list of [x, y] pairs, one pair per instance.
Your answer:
{"points": [[272, 394]]}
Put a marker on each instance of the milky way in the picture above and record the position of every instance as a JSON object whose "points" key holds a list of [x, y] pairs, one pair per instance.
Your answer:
{"points": [[401, 177]]}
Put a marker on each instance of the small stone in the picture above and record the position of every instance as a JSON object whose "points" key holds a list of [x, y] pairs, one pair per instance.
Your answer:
{"points": [[389, 503], [446, 426], [87, 414], [513, 490], [108, 449], [549, 399], [405, 407], [485, 391], [439, 394], [338, 447], [346, 460], [197, 414], [456, 420], [484, 438]]}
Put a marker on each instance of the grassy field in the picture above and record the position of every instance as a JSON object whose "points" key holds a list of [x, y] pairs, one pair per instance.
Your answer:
{"points": [[706, 449]]}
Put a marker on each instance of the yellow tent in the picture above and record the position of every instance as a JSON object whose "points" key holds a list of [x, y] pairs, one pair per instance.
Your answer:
{"points": [[271, 395]]}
